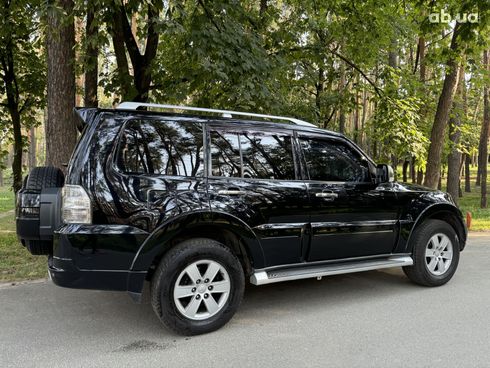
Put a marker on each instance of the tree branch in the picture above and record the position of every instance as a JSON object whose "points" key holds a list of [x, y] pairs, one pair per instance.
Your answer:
{"points": [[152, 35], [210, 16], [131, 45], [353, 65], [26, 104]]}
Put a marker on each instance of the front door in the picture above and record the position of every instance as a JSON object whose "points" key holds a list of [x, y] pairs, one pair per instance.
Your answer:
{"points": [[350, 215], [253, 176]]}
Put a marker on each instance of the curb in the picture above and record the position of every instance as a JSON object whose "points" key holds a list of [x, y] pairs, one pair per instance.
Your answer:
{"points": [[5, 285]]}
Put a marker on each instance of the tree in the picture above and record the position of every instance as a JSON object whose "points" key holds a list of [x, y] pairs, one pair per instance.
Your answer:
{"points": [[125, 41], [454, 158], [442, 113], [61, 132], [22, 75], [91, 55], [484, 136]]}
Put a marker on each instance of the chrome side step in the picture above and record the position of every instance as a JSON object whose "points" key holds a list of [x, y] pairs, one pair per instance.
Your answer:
{"points": [[262, 277]]}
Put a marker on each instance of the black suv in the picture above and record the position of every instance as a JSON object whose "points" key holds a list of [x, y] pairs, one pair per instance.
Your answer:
{"points": [[198, 204]]}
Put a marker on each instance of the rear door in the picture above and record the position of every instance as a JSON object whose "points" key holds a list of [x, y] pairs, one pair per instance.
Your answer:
{"points": [[157, 172], [350, 215], [253, 176]]}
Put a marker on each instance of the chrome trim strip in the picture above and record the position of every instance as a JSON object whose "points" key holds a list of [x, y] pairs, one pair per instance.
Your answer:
{"points": [[280, 226], [262, 277], [354, 223], [111, 271], [281, 237], [62, 259]]}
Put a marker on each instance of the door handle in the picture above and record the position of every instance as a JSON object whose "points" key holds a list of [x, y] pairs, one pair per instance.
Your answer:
{"points": [[230, 192], [329, 196]]}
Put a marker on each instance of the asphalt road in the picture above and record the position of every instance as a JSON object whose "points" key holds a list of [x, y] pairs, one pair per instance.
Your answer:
{"points": [[370, 319]]}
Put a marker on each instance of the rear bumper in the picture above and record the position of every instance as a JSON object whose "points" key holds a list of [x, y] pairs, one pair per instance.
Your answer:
{"points": [[65, 274], [97, 257]]}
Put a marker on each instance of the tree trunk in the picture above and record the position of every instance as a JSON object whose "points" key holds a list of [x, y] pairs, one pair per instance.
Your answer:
{"points": [[12, 94], [485, 130], [467, 179], [413, 175], [341, 109], [422, 59], [320, 86], [61, 132], [124, 78], [475, 117], [420, 176], [356, 115], [32, 148], [364, 117], [432, 173], [17, 162], [454, 157], [406, 165], [461, 169], [92, 52]]}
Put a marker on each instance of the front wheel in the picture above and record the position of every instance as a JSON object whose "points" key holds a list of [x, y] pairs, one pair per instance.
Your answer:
{"points": [[197, 287], [435, 254]]}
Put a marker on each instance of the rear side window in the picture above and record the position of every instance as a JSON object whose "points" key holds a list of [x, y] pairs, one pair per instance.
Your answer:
{"points": [[161, 147], [252, 155], [329, 160], [225, 155]]}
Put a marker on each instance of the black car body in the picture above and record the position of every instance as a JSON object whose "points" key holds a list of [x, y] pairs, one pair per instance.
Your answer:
{"points": [[260, 188]]}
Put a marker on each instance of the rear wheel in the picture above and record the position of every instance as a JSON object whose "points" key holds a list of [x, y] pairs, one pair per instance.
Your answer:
{"points": [[435, 254], [197, 287]]}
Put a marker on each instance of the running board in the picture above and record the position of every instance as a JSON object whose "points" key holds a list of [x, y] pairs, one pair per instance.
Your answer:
{"points": [[262, 277]]}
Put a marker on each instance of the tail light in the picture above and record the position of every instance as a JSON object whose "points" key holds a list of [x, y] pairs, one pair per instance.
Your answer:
{"points": [[76, 207]]}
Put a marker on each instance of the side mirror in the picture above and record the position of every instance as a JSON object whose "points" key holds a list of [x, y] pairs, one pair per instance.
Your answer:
{"points": [[384, 173]]}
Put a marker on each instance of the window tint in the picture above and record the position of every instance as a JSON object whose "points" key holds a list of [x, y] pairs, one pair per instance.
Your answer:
{"points": [[267, 156], [225, 154], [328, 160], [252, 155], [161, 147]]}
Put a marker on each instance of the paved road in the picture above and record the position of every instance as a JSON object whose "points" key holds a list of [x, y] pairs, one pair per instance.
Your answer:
{"points": [[371, 319]]}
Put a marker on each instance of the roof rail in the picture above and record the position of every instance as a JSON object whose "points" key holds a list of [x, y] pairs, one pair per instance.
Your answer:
{"points": [[224, 113]]}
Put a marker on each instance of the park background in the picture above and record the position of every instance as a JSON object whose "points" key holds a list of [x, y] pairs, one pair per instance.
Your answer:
{"points": [[406, 80]]}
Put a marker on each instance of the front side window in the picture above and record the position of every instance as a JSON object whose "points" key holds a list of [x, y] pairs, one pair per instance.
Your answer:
{"points": [[161, 147], [252, 155], [329, 160]]}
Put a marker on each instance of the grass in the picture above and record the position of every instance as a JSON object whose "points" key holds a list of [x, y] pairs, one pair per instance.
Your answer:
{"points": [[6, 199], [470, 202], [16, 263]]}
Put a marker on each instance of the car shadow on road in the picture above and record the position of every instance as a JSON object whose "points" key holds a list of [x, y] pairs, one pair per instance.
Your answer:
{"points": [[261, 303]]}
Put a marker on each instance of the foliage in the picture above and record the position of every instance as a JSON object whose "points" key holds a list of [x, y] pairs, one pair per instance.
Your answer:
{"points": [[22, 74], [20, 34]]}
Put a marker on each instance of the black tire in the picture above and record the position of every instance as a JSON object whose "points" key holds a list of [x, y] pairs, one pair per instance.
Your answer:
{"points": [[173, 264], [38, 179], [44, 177], [419, 273]]}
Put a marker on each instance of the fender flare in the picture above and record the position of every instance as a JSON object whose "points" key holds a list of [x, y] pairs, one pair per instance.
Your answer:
{"points": [[440, 208], [159, 241]]}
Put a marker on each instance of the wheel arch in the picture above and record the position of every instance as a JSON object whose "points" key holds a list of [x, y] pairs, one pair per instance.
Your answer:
{"points": [[219, 226], [444, 212]]}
